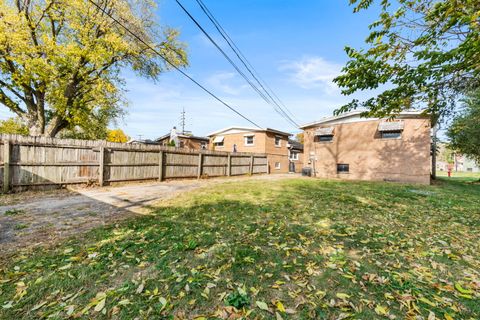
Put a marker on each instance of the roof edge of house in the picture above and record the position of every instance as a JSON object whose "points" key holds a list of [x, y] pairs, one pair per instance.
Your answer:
{"points": [[249, 129], [401, 115]]}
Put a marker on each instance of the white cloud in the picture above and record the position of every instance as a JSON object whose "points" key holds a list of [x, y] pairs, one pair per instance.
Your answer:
{"points": [[227, 82], [313, 73]]}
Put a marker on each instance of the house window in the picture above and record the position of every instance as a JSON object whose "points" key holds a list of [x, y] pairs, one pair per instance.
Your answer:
{"points": [[293, 155], [343, 168], [391, 134], [249, 140], [278, 141], [277, 165], [218, 141], [323, 138], [203, 145]]}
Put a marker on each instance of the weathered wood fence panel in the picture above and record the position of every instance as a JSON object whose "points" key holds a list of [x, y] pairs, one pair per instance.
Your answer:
{"points": [[40, 161]]}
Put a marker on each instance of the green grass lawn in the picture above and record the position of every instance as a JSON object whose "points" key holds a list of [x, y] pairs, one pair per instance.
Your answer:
{"points": [[459, 176], [289, 249]]}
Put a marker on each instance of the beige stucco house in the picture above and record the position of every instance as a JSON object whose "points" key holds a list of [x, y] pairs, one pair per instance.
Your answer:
{"points": [[351, 147], [242, 139]]}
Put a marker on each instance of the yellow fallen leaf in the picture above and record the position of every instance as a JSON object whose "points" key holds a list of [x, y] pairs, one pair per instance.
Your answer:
{"points": [[425, 300], [280, 306], [343, 296], [447, 316], [100, 306], [460, 289], [380, 310]]}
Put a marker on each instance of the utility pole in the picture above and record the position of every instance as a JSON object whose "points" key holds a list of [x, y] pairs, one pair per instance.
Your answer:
{"points": [[182, 120]]}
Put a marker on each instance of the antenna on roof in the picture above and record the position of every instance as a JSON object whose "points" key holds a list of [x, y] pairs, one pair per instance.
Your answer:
{"points": [[183, 120]]}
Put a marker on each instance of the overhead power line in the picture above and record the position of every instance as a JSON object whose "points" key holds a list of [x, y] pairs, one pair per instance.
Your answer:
{"points": [[244, 60], [171, 64], [265, 95]]}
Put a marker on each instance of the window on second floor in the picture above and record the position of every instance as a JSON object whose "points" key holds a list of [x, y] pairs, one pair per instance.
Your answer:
{"points": [[249, 140], [293, 155], [323, 138], [218, 141], [278, 141]]}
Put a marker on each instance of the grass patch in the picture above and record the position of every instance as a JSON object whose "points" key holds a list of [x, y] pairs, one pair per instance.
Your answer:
{"points": [[297, 248], [14, 212]]}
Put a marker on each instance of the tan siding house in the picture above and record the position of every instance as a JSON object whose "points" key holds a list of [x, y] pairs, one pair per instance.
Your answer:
{"points": [[242, 139], [351, 147]]}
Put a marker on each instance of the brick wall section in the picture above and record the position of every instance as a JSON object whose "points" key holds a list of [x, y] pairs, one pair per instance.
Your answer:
{"points": [[264, 142], [369, 157]]}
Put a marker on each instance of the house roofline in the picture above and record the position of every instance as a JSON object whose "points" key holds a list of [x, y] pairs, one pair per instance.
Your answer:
{"points": [[249, 129], [183, 136], [402, 114]]}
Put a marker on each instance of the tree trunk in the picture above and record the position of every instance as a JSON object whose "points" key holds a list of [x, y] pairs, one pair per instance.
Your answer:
{"points": [[434, 152], [55, 125]]}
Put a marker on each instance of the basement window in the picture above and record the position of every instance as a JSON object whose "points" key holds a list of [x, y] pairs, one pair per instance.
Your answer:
{"points": [[391, 134], [277, 165], [343, 168]]}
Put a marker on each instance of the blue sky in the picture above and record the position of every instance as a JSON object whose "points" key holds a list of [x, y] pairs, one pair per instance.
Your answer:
{"points": [[296, 46]]}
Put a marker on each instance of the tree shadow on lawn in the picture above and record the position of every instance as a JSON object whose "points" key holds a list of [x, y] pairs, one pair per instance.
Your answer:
{"points": [[322, 249]]}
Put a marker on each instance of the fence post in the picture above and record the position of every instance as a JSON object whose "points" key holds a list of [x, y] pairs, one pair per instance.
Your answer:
{"points": [[101, 166], [251, 164], [229, 165], [160, 166], [6, 166], [200, 158]]}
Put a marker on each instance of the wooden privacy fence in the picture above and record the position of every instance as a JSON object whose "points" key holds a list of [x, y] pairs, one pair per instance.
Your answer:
{"points": [[40, 161]]}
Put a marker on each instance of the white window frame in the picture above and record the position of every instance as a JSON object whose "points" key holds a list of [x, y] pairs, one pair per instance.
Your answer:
{"points": [[245, 140], [203, 145], [219, 141], [294, 155], [279, 166], [279, 141]]}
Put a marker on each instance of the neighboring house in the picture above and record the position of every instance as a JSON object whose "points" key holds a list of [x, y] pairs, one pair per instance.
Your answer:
{"points": [[141, 141], [351, 147], [295, 155], [241, 139], [463, 163], [184, 140]]}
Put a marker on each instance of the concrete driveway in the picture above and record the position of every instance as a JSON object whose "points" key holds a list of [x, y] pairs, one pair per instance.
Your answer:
{"points": [[34, 219]]}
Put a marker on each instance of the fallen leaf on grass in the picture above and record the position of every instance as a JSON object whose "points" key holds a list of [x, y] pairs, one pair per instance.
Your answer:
{"points": [[262, 305]]}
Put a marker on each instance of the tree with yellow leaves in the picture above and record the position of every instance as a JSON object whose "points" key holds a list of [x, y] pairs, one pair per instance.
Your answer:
{"points": [[117, 135], [60, 61]]}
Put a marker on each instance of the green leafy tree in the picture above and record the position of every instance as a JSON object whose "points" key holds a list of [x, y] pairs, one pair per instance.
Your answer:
{"points": [[464, 132], [60, 61], [420, 53], [13, 126]]}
